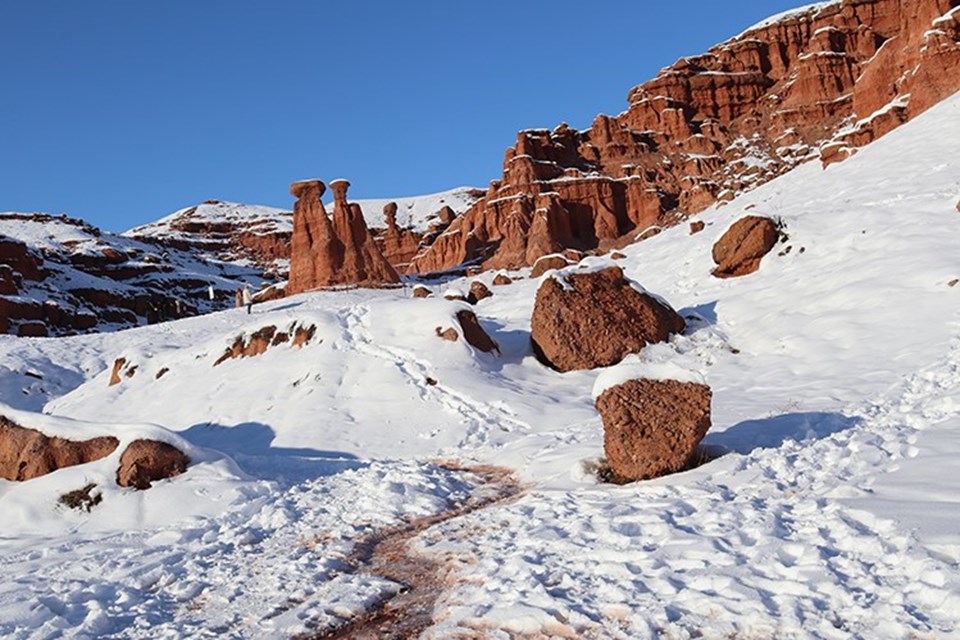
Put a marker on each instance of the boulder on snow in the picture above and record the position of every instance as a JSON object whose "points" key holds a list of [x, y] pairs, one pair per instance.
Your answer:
{"points": [[697, 226], [546, 263], [28, 453], [738, 251], [473, 333], [501, 279], [478, 291], [589, 319], [652, 427], [421, 291], [146, 461]]}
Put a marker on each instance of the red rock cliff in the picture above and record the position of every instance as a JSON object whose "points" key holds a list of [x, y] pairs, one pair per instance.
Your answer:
{"points": [[827, 79]]}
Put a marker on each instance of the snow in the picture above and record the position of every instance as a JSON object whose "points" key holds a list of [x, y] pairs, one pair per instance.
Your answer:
{"points": [[417, 212], [831, 514], [811, 10], [637, 368]]}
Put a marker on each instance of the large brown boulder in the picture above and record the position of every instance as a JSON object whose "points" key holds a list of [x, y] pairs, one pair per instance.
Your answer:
{"points": [[595, 318], [325, 252], [28, 453], [652, 427], [146, 461], [739, 250], [548, 262]]}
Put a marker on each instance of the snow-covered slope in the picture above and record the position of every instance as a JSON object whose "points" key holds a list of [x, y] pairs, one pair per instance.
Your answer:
{"points": [[417, 212], [836, 378]]}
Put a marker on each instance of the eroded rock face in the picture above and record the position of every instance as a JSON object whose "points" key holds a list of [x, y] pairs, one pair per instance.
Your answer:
{"points": [[144, 462], [652, 427], [711, 126], [398, 246], [28, 453], [740, 250], [327, 253], [594, 319]]}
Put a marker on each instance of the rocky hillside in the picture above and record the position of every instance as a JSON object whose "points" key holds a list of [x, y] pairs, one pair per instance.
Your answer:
{"points": [[60, 275], [814, 83]]}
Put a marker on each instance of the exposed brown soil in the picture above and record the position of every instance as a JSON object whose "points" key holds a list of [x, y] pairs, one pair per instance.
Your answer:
{"points": [[387, 554]]}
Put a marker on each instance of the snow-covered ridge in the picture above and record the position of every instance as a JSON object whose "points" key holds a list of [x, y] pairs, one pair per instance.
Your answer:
{"points": [[811, 9], [416, 212]]}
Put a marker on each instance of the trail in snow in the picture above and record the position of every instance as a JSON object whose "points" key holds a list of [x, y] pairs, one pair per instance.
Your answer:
{"points": [[386, 554], [764, 543]]}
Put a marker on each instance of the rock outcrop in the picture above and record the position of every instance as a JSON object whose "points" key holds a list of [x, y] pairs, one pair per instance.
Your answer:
{"points": [[548, 262], [75, 278], [740, 249], [397, 245], [27, 453], [478, 292], [144, 462], [337, 252], [652, 427], [834, 76], [595, 318], [264, 338], [473, 333]]}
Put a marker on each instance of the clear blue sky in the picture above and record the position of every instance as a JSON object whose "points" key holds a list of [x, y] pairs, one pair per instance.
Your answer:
{"points": [[121, 111]]}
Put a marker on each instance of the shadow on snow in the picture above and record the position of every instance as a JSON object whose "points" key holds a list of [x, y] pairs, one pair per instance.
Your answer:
{"points": [[775, 431], [250, 444]]}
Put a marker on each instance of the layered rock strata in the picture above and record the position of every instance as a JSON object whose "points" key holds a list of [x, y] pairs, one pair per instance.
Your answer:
{"points": [[834, 76]]}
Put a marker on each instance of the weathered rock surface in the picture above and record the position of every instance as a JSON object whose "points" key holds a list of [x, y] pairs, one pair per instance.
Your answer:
{"points": [[548, 262], [502, 279], [397, 245], [478, 292], [28, 453], [594, 319], [144, 462], [652, 427], [264, 338], [740, 250], [473, 333], [710, 126], [328, 253]]}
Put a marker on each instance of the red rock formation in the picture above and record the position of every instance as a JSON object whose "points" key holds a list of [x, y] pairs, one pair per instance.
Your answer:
{"points": [[711, 126], [546, 263], [478, 292], [144, 462], [501, 279], [473, 333], [594, 319], [652, 427], [329, 253], [262, 339], [398, 246], [28, 453], [739, 250]]}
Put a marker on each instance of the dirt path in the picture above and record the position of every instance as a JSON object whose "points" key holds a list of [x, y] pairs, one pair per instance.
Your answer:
{"points": [[387, 554]]}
